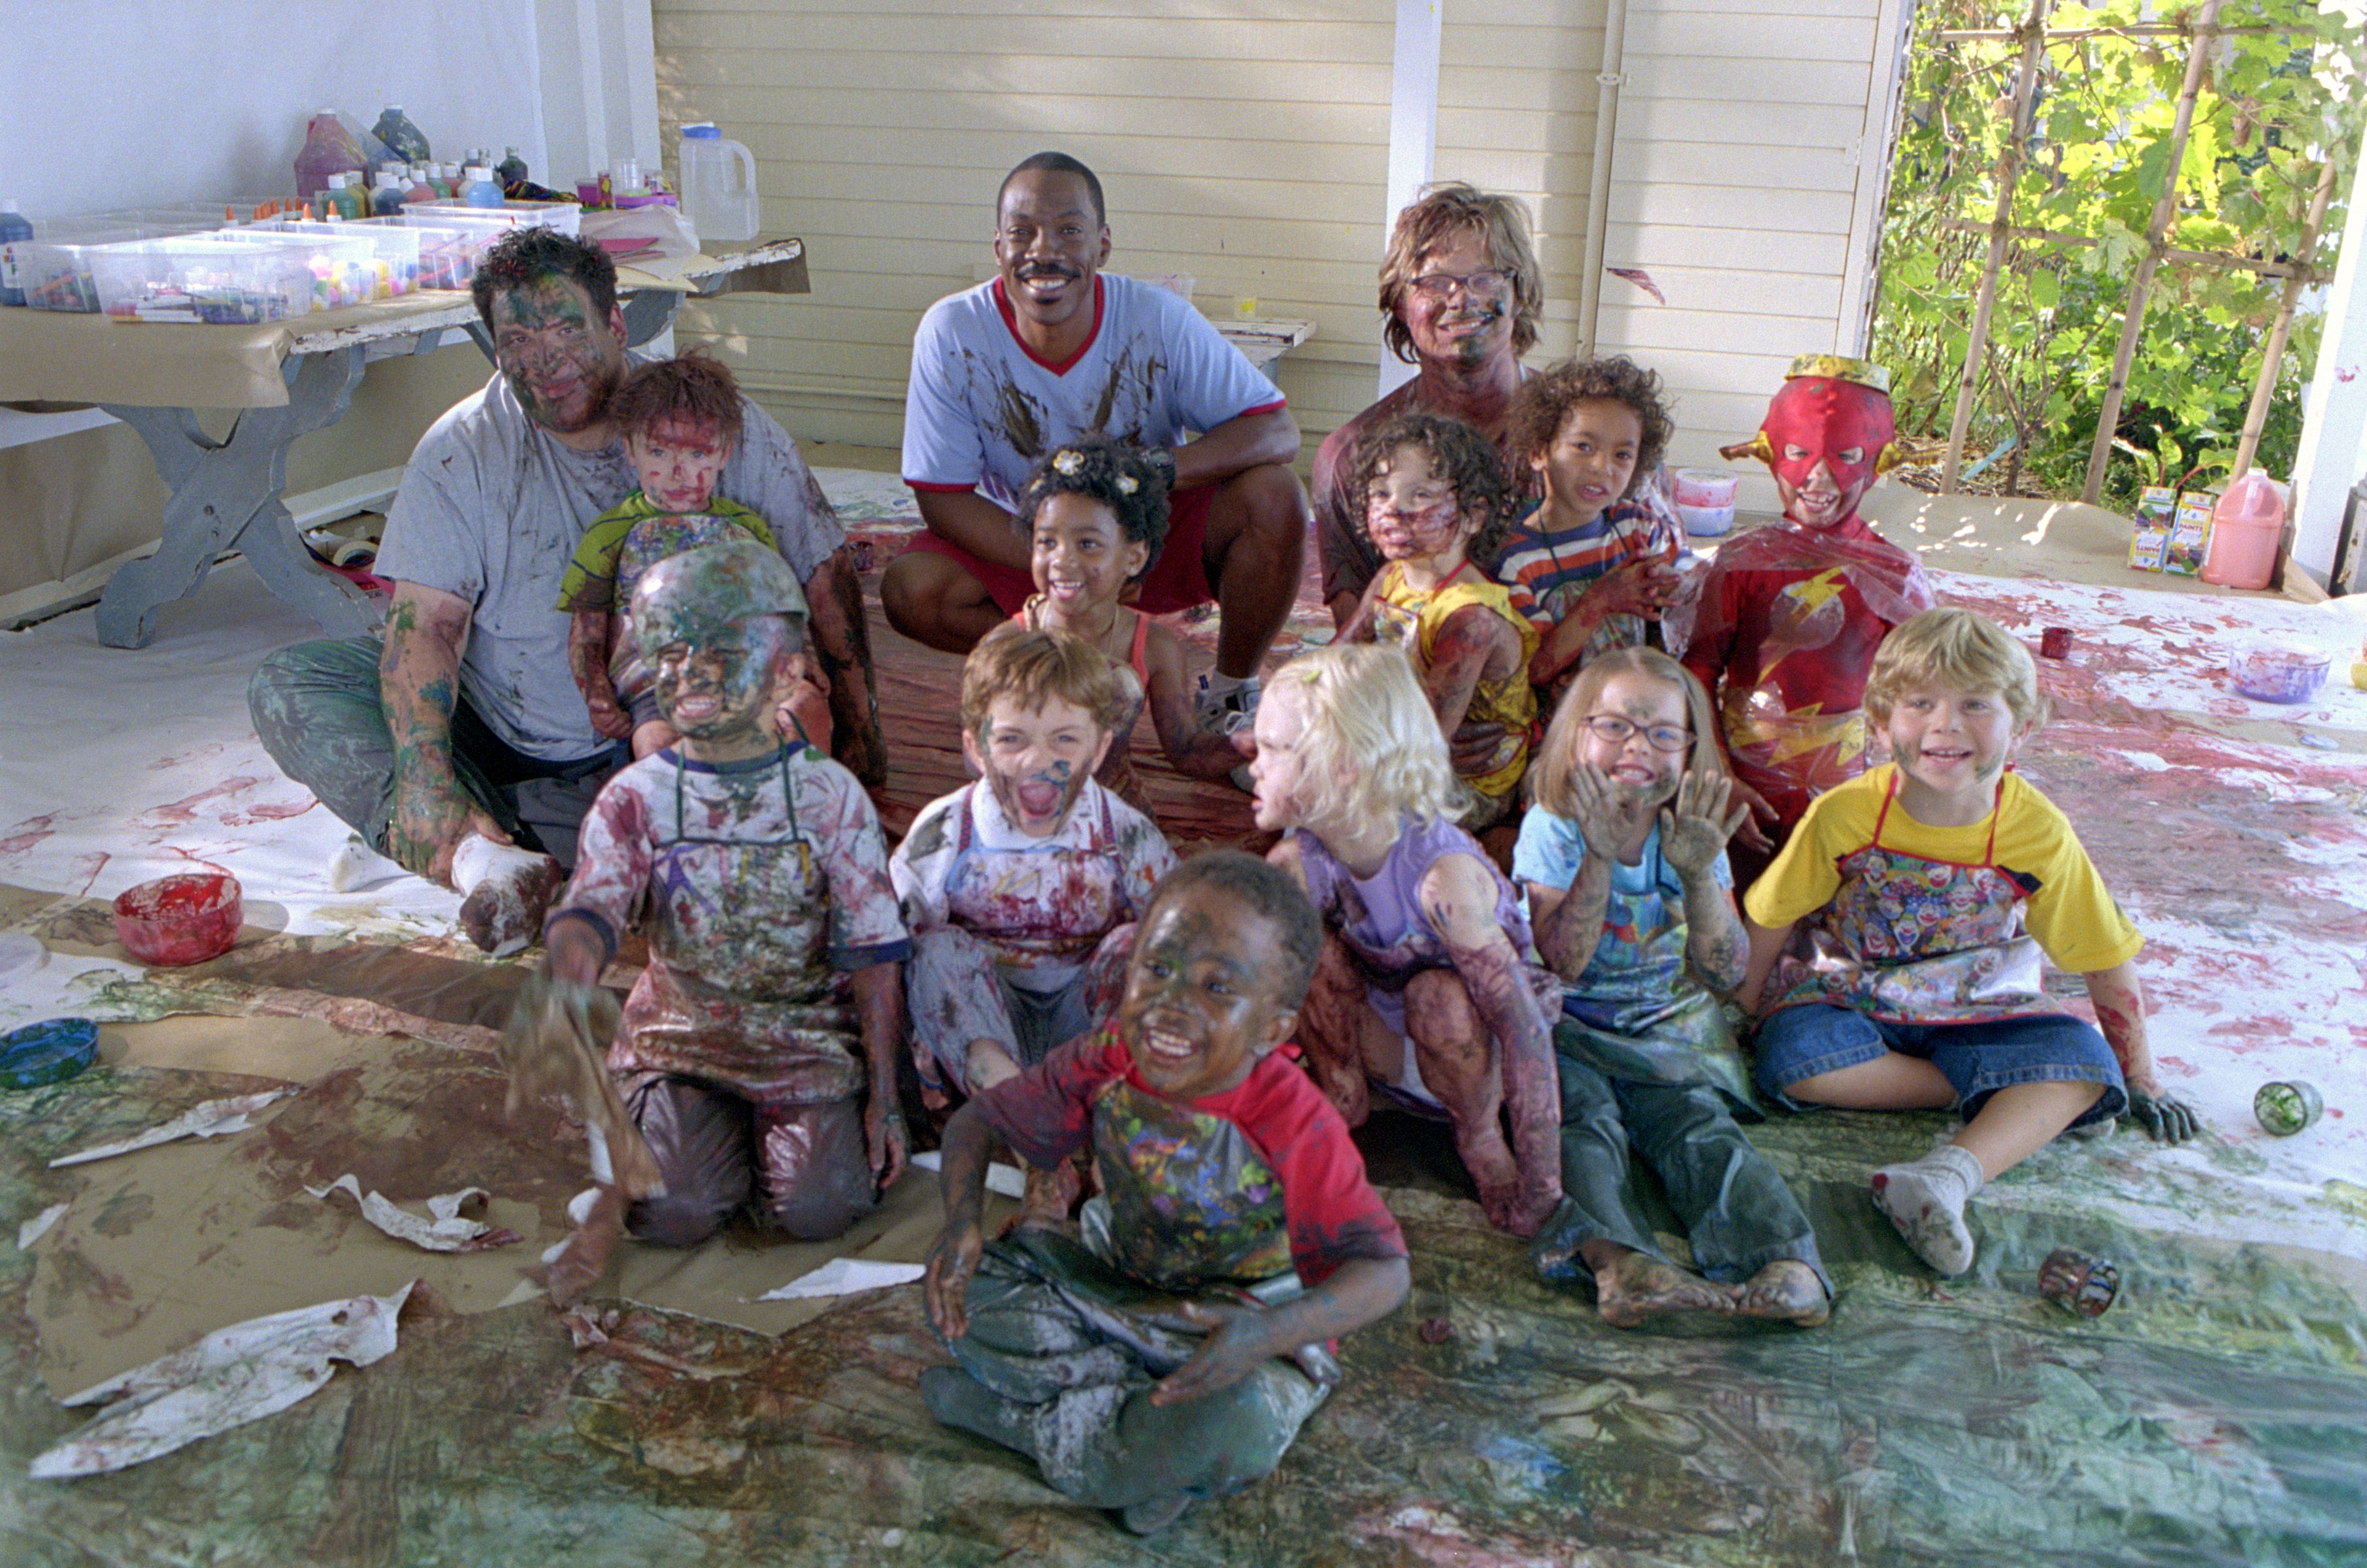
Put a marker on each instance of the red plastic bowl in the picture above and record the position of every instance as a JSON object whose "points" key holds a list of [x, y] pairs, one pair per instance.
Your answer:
{"points": [[180, 920]]}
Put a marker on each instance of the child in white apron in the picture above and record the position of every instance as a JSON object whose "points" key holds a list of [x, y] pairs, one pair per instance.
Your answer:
{"points": [[1895, 941], [1624, 856]]}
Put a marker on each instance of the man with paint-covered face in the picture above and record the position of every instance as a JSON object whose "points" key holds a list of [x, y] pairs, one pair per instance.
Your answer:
{"points": [[457, 743], [1053, 348]]}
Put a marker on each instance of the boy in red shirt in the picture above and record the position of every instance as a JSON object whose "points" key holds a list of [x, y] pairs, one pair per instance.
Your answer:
{"points": [[1175, 1354]]}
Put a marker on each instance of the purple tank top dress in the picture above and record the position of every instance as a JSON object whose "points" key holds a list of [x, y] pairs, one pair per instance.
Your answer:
{"points": [[1380, 917]]}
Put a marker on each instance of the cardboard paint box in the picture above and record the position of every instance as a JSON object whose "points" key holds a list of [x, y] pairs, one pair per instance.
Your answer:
{"points": [[2190, 534], [2157, 516]]}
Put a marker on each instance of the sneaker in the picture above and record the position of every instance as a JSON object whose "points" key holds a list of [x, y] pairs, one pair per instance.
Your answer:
{"points": [[1229, 713]]}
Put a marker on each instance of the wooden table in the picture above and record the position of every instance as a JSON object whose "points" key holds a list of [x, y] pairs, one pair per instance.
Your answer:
{"points": [[227, 494]]}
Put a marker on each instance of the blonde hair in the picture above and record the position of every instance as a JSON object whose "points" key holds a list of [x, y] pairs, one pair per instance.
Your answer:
{"points": [[1958, 648], [1371, 745], [1441, 214], [1033, 668], [1557, 759]]}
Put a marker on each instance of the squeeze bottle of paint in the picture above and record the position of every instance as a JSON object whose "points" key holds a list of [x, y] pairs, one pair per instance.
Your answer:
{"points": [[387, 196], [403, 139], [2247, 528], [479, 189], [15, 230], [329, 148], [511, 170], [341, 198], [420, 189]]}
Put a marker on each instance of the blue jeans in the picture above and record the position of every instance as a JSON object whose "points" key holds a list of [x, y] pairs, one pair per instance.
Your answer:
{"points": [[1977, 1059]]}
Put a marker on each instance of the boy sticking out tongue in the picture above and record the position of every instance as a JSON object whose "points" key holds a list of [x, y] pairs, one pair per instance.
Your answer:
{"points": [[1174, 1353]]}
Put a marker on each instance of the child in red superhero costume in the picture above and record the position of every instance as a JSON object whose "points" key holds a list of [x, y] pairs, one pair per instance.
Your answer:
{"points": [[1789, 616]]}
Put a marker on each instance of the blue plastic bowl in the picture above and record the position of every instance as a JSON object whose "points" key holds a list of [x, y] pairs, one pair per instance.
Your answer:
{"points": [[49, 1051]]}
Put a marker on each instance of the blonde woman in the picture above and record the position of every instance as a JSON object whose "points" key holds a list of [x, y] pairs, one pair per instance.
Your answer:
{"points": [[1422, 986]]}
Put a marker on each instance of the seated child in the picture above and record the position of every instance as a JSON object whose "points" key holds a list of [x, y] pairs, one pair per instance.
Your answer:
{"points": [[1888, 948], [1623, 854], [1423, 985], [758, 1048], [1591, 568], [1012, 886], [1788, 617], [1095, 512], [1228, 1183], [1435, 504], [680, 419]]}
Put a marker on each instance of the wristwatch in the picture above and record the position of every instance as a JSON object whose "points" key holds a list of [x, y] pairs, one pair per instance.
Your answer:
{"points": [[1163, 458]]}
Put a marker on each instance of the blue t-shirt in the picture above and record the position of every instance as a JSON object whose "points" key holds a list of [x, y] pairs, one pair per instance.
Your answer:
{"points": [[980, 409], [1550, 850]]}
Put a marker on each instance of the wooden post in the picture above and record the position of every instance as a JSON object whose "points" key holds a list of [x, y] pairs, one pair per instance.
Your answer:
{"points": [[2198, 56], [2256, 418], [2009, 169]]}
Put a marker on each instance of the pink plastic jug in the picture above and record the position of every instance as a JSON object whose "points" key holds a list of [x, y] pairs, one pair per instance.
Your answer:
{"points": [[2247, 526]]}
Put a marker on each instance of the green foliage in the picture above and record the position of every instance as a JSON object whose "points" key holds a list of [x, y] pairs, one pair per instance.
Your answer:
{"points": [[2272, 108]]}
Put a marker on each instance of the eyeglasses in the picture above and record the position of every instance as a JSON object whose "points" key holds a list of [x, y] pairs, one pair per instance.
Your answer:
{"points": [[1477, 285], [1660, 737]]}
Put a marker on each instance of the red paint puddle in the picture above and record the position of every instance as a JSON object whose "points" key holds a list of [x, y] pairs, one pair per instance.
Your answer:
{"points": [[180, 813]]}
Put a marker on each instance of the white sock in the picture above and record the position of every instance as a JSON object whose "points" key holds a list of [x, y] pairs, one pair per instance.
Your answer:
{"points": [[358, 866], [1925, 1201], [479, 859]]}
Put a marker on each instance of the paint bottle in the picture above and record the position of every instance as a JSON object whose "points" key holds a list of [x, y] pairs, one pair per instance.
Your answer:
{"points": [[403, 139], [478, 189], [15, 231], [343, 198], [388, 196], [2247, 528], [511, 170], [329, 148], [420, 190]]}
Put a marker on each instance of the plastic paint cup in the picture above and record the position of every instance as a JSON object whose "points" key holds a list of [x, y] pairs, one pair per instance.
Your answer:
{"points": [[2287, 1108], [2275, 672], [2054, 642], [2079, 1281], [46, 1053], [180, 920]]}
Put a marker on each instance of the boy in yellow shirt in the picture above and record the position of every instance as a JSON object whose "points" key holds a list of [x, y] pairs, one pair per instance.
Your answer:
{"points": [[1890, 957]]}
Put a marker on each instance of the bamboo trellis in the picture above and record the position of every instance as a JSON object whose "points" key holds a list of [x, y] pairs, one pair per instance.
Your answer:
{"points": [[2201, 29]]}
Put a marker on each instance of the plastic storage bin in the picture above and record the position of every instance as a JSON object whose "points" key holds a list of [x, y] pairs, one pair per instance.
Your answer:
{"points": [[200, 280], [449, 247], [564, 216], [345, 270], [55, 266], [394, 250]]}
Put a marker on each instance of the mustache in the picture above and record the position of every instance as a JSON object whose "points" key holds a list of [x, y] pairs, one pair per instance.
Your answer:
{"points": [[1048, 269]]}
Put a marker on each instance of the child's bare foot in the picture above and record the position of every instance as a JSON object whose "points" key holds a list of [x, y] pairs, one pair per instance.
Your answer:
{"points": [[1787, 1291], [1640, 1287], [585, 1258]]}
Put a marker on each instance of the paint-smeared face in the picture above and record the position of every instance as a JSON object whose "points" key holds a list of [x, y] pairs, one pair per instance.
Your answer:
{"points": [[1279, 769], [1036, 760], [1828, 435], [1468, 322], [1652, 711], [1082, 559], [1202, 1002], [1050, 243], [679, 462], [1953, 743], [1591, 459], [719, 688], [560, 357], [1411, 507]]}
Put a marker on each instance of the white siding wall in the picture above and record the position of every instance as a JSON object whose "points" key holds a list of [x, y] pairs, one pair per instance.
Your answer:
{"points": [[1245, 141]]}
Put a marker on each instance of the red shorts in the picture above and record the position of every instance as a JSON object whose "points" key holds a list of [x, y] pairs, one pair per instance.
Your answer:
{"points": [[1177, 579]]}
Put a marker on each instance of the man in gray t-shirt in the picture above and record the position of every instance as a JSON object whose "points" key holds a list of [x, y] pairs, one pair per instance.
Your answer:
{"points": [[457, 743]]}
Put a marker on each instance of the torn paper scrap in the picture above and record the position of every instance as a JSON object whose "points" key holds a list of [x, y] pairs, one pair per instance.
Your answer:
{"points": [[232, 1376], [846, 1277], [37, 1227], [446, 1231], [212, 1120], [1007, 1180]]}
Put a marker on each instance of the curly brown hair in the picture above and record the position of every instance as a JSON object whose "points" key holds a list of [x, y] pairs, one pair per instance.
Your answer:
{"points": [[1545, 400], [1437, 216], [691, 388], [1467, 460], [1118, 476]]}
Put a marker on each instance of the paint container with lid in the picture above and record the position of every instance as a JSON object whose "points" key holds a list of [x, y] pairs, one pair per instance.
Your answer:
{"points": [[2278, 671], [49, 1052], [2080, 1280], [2287, 1108], [1704, 499]]}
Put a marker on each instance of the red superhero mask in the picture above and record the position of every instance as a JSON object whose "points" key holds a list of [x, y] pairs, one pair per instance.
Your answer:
{"points": [[1837, 423]]}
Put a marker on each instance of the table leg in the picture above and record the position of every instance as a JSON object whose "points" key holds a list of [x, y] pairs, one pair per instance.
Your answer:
{"points": [[226, 494]]}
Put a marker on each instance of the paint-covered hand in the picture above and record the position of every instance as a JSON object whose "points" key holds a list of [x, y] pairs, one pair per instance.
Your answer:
{"points": [[607, 717], [1609, 817], [1695, 826], [1241, 1338], [2170, 1119], [884, 1140], [1644, 587], [1756, 811], [430, 816], [944, 1284]]}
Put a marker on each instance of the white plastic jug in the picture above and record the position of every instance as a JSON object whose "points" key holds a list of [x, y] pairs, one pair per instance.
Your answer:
{"points": [[719, 184]]}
